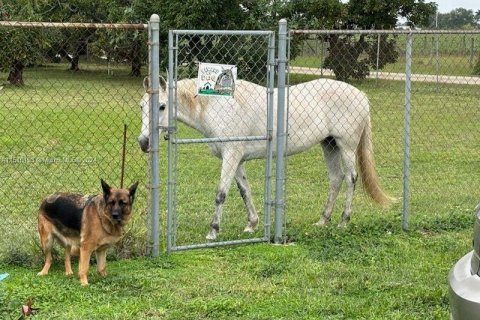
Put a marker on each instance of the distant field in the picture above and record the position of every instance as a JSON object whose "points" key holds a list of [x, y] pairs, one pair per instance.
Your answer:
{"points": [[371, 270], [456, 54]]}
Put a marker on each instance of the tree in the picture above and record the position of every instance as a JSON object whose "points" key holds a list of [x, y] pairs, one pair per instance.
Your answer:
{"points": [[71, 44], [459, 18], [350, 56], [20, 47], [219, 15]]}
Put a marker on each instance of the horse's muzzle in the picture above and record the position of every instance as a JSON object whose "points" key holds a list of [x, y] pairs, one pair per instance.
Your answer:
{"points": [[144, 143]]}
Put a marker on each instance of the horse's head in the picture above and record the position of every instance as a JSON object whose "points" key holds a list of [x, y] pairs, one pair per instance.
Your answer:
{"points": [[143, 138]]}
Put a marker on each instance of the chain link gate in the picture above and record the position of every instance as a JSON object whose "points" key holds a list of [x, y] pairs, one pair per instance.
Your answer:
{"points": [[193, 195]]}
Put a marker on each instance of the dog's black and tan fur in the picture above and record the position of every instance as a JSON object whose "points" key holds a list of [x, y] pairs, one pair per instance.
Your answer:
{"points": [[84, 224]]}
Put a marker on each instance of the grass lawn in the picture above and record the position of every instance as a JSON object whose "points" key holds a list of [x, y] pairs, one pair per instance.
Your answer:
{"points": [[370, 270]]}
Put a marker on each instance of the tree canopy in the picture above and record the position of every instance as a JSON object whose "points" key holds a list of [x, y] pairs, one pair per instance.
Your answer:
{"points": [[195, 14], [459, 18]]}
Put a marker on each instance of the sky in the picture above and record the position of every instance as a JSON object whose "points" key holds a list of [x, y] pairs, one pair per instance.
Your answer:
{"points": [[445, 6]]}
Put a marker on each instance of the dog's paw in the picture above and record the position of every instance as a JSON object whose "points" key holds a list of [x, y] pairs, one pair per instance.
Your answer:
{"points": [[103, 273], [42, 273]]}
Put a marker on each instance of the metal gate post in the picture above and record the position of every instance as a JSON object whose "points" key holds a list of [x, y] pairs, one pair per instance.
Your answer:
{"points": [[154, 68], [281, 135], [268, 165], [406, 155], [171, 137]]}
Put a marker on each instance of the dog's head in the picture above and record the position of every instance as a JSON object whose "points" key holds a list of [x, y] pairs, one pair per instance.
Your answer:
{"points": [[118, 202]]}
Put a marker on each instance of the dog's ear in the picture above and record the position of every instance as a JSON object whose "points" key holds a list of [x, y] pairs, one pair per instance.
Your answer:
{"points": [[131, 190], [106, 188]]}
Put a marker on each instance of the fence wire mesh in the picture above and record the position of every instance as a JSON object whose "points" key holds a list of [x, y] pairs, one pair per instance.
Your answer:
{"points": [[444, 134], [66, 93], [201, 182], [62, 129]]}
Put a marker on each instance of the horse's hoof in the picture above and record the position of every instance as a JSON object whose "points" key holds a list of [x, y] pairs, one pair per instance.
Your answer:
{"points": [[249, 229], [212, 235], [322, 222], [342, 224]]}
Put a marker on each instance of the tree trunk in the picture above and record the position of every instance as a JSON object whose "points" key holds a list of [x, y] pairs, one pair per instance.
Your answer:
{"points": [[136, 59], [74, 62], [16, 73]]}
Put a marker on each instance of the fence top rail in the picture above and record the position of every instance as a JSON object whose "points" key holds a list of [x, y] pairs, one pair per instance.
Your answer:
{"points": [[78, 25], [429, 31], [224, 32]]}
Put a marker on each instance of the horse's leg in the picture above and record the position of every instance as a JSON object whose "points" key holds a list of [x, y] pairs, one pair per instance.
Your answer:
{"points": [[349, 162], [245, 192], [333, 159], [230, 162]]}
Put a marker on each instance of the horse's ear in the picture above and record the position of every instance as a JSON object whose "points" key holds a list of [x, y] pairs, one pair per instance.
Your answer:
{"points": [[163, 83], [146, 83]]}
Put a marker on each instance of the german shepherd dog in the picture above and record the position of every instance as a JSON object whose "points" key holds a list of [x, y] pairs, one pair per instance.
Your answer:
{"points": [[84, 224]]}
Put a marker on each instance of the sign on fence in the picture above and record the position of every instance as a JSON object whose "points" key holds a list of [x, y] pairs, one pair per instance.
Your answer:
{"points": [[216, 79]]}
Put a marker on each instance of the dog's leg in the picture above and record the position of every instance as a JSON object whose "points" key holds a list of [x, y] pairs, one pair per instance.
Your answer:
{"points": [[46, 241], [68, 264], [85, 253], [102, 262]]}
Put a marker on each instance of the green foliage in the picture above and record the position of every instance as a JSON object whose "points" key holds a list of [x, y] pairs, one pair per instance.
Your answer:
{"points": [[351, 56], [322, 14], [18, 44], [459, 18]]}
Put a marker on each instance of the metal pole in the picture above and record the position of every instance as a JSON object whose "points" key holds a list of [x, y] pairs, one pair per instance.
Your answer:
{"points": [[171, 138], [472, 48], [268, 165], [154, 141], [406, 156], [281, 136], [437, 60], [321, 57], [378, 57]]}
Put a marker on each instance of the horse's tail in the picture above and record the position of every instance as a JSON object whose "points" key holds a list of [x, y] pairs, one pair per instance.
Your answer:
{"points": [[368, 173]]}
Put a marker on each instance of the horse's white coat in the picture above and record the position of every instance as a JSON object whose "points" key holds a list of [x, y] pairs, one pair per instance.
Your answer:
{"points": [[326, 112]]}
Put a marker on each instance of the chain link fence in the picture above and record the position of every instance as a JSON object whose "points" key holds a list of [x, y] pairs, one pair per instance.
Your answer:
{"points": [[429, 162], [62, 130]]}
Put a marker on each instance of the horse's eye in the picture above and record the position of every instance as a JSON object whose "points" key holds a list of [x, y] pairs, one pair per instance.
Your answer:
{"points": [[162, 107]]}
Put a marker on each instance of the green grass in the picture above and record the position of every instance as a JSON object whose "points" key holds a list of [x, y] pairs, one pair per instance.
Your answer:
{"points": [[370, 270]]}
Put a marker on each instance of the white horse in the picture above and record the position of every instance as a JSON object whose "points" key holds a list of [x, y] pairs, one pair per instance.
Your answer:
{"points": [[330, 113]]}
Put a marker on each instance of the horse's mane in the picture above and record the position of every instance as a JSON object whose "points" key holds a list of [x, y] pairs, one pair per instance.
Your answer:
{"points": [[188, 97]]}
